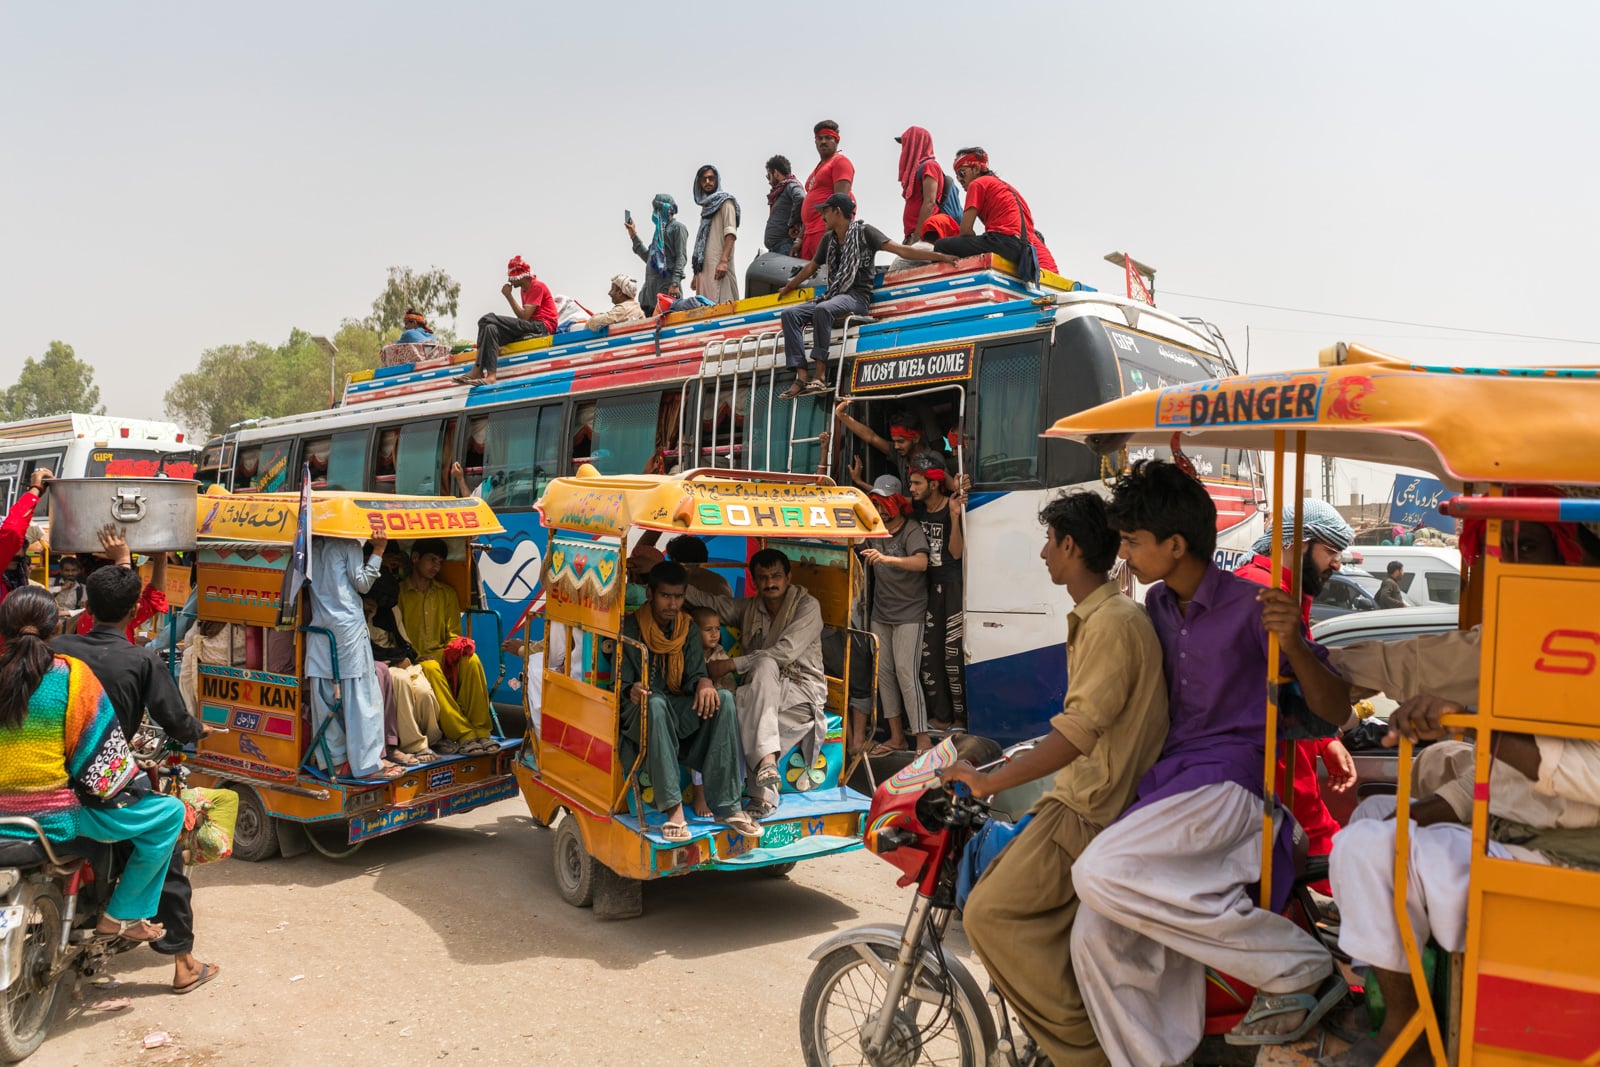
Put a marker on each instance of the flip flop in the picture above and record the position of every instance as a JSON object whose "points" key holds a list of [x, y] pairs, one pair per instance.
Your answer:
{"points": [[740, 822], [1268, 1005], [401, 758], [122, 930], [793, 391], [676, 831], [469, 379], [207, 972], [883, 748]]}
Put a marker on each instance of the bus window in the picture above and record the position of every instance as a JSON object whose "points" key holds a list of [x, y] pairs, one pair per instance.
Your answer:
{"points": [[1009, 394], [383, 462], [422, 455], [511, 455], [617, 434], [264, 468], [337, 461]]}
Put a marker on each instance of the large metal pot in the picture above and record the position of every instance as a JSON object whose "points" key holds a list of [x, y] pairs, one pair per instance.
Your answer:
{"points": [[154, 514]]}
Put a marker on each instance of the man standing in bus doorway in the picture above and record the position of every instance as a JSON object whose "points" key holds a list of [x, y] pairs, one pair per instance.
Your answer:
{"points": [[944, 669], [1007, 220], [899, 608], [430, 616], [355, 733], [14, 530], [848, 248], [905, 447], [833, 174], [1019, 916], [1327, 535], [712, 260], [533, 315]]}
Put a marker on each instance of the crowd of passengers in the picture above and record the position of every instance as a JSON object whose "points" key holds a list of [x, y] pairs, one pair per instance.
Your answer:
{"points": [[814, 221]]}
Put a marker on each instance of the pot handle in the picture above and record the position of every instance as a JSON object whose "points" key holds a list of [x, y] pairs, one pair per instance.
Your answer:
{"points": [[128, 504]]}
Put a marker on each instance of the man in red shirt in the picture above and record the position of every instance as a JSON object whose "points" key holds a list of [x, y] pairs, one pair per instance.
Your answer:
{"points": [[1007, 220], [1326, 536], [534, 315], [14, 530], [833, 174]]}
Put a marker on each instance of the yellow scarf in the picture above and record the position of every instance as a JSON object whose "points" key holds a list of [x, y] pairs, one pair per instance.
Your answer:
{"points": [[664, 644]]}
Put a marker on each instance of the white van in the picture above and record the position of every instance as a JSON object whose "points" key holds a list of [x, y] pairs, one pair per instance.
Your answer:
{"points": [[1432, 575]]}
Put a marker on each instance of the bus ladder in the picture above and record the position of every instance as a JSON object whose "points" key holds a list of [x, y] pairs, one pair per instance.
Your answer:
{"points": [[727, 359], [846, 346]]}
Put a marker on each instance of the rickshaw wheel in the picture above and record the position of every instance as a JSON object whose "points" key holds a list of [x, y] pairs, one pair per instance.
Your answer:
{"points": [[254, 836], [575, 868], [777, 870]]}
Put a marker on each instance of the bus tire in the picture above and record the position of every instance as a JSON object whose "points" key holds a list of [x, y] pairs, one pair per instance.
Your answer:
{"points": [[575, 868], [254, 836]]}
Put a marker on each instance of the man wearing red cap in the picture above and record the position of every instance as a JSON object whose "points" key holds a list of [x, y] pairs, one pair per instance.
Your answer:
{"points": [[534, 315], [834, 173], [1007, 220]]}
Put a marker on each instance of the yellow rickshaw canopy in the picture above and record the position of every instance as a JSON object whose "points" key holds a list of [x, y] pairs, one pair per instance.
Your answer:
{"points": [[271, 518], [717, 503], [1522, 425]]}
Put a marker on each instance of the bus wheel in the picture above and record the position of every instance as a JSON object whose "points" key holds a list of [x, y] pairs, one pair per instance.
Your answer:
{"points": [[575, 868], [254, 836]]}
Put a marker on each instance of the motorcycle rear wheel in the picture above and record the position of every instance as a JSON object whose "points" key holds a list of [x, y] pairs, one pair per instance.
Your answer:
{"points": [[27, 1008], [845, 994]]}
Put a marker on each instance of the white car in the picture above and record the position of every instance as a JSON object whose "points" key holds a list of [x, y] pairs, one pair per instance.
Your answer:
{"points": [[1432, 575]]}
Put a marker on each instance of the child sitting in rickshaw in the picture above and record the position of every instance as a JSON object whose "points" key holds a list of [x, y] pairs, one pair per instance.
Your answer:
{"points": [[691, 722], [1165, 889]]}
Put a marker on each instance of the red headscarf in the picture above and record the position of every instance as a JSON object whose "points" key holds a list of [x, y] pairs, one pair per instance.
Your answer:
{"points": [[942, 225], [916, 148], [894, 505], [973, 159], [1565, 533]]}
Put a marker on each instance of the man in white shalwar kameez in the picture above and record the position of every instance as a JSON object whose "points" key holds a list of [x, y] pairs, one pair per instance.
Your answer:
{"points": [[355, 734], [780, 701]]}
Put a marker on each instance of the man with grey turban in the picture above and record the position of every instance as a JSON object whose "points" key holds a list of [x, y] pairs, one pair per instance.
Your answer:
{"points": [[1326, 535], [624, 306]]}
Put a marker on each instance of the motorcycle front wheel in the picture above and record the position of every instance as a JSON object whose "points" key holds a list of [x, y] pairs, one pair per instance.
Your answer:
{"points": [[936, 1024], [27, 1007]]}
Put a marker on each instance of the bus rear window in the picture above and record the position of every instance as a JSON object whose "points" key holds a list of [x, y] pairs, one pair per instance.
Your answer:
{"points": [[138, 463]]}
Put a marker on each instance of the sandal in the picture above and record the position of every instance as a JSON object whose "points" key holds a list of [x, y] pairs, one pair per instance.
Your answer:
{"points": [[481, 746], [816, 385], [427, 755], [207, 972], [675, 831], [123, 926], [741, 822], [401, 758], [767, 777], [794, 390], [448, 747], [469, 379], [390, 771], [1268, 1005], [883, 748]]}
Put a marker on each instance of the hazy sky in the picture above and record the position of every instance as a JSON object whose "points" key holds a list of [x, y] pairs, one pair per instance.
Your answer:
{"points": [[183, 176]]}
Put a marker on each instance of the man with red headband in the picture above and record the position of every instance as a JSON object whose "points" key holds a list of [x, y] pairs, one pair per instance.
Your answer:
{"points": [[1544, 792], [899, 609], [833, 173], [534, 315], [1007, 220], [944, 670], [905, 447]]}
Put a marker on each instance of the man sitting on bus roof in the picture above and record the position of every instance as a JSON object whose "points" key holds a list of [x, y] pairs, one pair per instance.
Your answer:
{"points": [[1007, 219], [692, 722], [430, 613], [848, 247], [624, 304], [1544, 795], [1166, 888], [534, 315], [780, 700]]}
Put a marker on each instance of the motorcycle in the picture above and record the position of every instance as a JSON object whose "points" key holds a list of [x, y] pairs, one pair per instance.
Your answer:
{"points": [[52, 896], [889, 996]]}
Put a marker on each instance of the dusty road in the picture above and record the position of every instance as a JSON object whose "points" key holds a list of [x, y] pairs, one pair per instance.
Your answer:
{"points": [[447, 943]]}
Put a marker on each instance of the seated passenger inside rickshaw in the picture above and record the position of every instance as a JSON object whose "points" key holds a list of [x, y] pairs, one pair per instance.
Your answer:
{"points": [[691, 723], [1544, 796], [430, 612], [410, 709]]}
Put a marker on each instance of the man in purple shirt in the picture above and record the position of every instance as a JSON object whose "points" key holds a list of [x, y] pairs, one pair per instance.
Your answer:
{"points": [[1165, 889]]}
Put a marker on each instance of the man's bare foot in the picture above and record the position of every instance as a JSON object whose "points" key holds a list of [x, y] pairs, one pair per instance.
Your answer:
{"points": [[702, 810], [1369, 1050]]}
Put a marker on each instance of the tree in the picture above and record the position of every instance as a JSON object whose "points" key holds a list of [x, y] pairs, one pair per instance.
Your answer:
{"points": [[432, 292], [54, 384]]}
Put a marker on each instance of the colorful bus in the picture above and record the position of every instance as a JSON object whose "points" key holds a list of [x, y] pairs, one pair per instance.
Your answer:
{"points": [[91, 446], [984, 361]]}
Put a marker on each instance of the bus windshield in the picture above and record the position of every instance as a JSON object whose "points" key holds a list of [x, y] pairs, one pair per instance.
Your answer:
{"points": [[139, 463]]}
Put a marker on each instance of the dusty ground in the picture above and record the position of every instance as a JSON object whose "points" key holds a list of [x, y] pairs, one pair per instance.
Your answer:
{"points": [[447, 943]]}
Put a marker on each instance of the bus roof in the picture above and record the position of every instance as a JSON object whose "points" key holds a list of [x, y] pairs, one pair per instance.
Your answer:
{"points": [[108, 430], [713, 503], [1460, 424], [271, 518]]}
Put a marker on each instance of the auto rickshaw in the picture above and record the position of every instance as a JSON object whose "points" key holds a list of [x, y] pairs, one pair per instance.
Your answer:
{"points": [[1526, 989], [608, 839], [265, 745]]}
